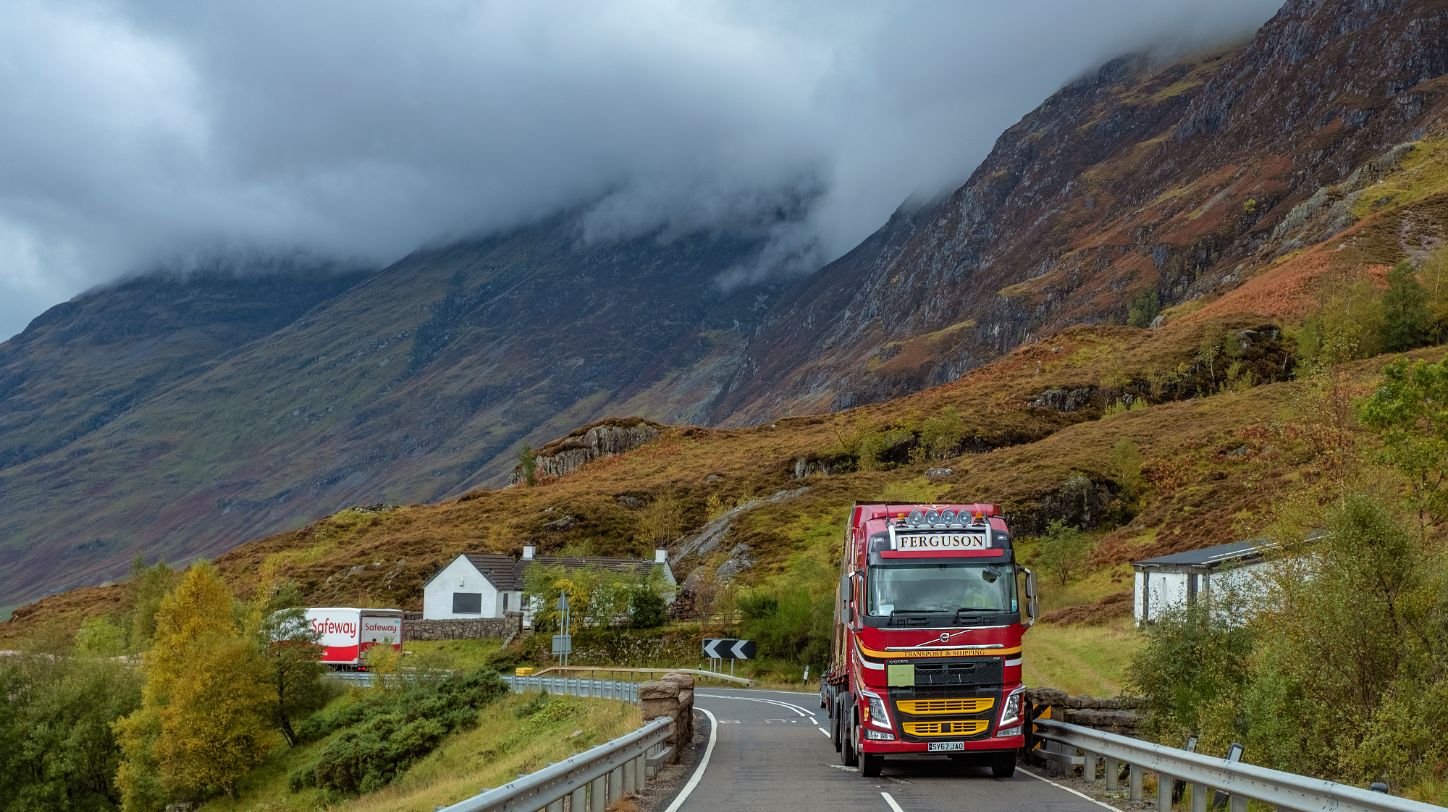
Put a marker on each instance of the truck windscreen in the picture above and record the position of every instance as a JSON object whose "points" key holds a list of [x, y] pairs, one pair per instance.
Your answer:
{"points": [[937, 587]]}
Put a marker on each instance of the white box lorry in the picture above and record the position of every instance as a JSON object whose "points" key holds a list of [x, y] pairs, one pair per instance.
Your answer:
{"points": [[346, 634]]}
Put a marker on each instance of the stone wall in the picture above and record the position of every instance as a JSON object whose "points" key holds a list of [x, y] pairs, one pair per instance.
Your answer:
{"points": [[672, 696], [1122, 714], [505, 627]]}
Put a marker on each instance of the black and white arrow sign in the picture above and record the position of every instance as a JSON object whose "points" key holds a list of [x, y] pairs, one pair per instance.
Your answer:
{"points": [[727, 648]]}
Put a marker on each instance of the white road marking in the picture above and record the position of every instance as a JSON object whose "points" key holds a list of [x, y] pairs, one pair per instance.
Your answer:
{"points": [[843, 767], [822, 730], [1068, 789], [891, 801], [703, 763], [797, 709]]}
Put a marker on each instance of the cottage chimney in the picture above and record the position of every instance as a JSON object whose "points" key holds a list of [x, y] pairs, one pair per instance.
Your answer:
{"points": [[661, 556], [528, 551]]}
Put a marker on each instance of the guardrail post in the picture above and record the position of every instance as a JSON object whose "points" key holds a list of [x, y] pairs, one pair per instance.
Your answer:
{"points": [[578, 799], [615, 785], [630, 778], [556, 806], [597, 794], [637, 768], [1200, 795], [1134, 782], [1163, 792], [1088, 766], [1113, 772], [1237, 804]]}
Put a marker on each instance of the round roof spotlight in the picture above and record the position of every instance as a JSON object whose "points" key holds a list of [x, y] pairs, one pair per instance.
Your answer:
{"points": [[916, 517], [947, 516], [931, 517]]}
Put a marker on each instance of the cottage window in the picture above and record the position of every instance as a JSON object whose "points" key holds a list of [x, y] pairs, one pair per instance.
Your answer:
{"points": [[467, 603]]}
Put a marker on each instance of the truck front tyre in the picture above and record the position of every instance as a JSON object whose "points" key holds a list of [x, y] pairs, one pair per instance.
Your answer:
{"points": [[1003, 765], [870, 764], [848, 756]]}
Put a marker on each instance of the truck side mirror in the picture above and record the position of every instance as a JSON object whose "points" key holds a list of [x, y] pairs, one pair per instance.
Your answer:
{"points": [[857, 594], [1031, 601]]}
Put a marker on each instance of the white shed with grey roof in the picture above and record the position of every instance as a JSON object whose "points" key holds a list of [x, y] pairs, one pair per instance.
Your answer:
{"points": [[1185, 579]]}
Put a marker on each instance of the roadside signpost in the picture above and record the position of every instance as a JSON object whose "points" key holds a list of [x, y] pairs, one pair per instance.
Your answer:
{"points": [[563, 643], [718, 649]]}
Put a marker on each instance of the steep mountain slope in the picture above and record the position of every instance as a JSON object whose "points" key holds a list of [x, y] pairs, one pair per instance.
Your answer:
{"points": [[1143, 184], [84, 363], [1037, 430], [403, 387], [1225, 184]]}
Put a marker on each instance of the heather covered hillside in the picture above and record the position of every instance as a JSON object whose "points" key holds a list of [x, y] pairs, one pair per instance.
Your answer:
{"points": [[1247, 185], [404, 386]]}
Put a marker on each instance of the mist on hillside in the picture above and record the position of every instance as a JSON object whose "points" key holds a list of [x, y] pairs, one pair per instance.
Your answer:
{"points": [[143, 133]]}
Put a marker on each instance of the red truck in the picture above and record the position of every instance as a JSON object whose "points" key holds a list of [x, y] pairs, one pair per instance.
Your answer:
{"points": [[927, 644]]}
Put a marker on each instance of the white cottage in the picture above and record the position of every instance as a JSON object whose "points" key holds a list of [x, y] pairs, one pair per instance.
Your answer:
{"points": [[490, 585], [474, 585], [1184, 579]]}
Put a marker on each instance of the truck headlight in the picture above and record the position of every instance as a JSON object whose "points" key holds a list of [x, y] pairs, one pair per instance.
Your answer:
{"points": [[1011, 711], [875, 712]]}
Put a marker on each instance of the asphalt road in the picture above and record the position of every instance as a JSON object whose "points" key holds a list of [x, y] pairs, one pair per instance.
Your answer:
{"points": [[772, 750]]}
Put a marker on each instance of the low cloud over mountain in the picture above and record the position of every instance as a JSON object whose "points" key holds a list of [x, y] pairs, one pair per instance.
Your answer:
{"points": [[144, 133]]}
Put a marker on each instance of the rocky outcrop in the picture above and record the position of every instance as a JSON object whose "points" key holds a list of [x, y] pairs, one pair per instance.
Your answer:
{"points": [[603, 439], [713, 534]]}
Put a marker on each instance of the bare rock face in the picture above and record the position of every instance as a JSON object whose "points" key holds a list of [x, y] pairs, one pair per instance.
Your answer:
{"points": [[1142, 181], [605, 439], [1065, 400]]}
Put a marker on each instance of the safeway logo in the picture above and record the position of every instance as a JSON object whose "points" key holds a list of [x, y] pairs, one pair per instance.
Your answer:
{"points": [[328, 626], [380, 627]]}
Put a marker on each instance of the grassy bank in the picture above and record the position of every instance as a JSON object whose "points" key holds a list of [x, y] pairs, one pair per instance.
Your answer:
{"points": [[516, 735], [460, 654], [1080, 659]]}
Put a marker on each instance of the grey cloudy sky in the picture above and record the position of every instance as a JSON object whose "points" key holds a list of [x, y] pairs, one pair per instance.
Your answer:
{"points": [[144, 132]]}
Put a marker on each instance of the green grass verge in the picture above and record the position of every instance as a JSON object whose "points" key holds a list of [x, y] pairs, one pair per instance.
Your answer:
{"points": [[1080, 659], [465, 655]]}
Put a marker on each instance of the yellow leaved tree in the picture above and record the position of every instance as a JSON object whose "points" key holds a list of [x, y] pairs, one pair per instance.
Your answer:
{"points": [[204, 719]]}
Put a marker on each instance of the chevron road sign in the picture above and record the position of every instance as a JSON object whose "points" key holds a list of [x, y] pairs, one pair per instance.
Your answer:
{"points": [[727, 648]]}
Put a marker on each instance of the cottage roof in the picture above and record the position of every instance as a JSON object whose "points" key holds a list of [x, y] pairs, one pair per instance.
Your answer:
{"points": [[502, 571], [505, 572], [1236, 553], [629, 565]]}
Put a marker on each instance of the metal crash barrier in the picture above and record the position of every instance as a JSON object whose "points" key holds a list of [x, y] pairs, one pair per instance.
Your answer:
{"points": [[592, 780], [1239, 782], [573, 686]]}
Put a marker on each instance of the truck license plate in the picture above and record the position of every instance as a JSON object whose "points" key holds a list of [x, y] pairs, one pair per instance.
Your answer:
{"points": [[942, 747]]}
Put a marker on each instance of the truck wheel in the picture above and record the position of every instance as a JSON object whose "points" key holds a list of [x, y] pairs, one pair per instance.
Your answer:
{"points": [[835, 731], [1004, 765], [848, 756], [870, 764]]}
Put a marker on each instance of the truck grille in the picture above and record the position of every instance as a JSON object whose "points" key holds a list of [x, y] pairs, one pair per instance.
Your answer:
{"points": [[959, 728], [941, 711], [982, 671], [960, 705]]}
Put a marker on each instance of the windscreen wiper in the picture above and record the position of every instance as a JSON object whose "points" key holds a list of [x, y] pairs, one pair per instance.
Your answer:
{"points": [[911, 617]]}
